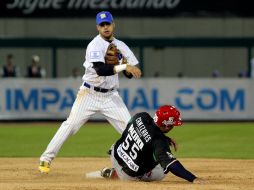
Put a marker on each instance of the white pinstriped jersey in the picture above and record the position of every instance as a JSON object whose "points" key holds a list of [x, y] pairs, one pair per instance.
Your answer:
{"points": [[95, 52]]}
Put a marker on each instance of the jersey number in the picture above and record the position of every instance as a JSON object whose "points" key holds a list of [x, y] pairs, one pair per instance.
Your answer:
{"points": [[133, 149]]}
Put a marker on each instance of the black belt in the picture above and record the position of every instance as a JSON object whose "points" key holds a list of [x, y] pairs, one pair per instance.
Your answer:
{"points": [[98, 89]]}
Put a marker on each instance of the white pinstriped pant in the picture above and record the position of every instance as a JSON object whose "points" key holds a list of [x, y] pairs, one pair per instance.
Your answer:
{"points": [[87, 103]]}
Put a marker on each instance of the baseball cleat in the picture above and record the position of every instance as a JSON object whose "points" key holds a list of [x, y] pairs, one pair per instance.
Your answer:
{"points": [[109, 173], [44, 167]]}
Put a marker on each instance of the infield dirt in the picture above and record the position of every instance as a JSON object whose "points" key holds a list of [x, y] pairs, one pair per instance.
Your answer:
{"points": [[69, 174]]}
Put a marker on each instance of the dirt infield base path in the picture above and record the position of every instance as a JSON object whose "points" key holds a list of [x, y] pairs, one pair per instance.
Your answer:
{"points": [[69, 174]]}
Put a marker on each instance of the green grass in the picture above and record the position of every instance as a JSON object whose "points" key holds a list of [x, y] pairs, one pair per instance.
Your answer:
{"points": [[202, 140], [216, 140]]}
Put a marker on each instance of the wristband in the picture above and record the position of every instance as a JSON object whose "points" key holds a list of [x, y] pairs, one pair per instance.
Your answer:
{"points": [[119, 68]]}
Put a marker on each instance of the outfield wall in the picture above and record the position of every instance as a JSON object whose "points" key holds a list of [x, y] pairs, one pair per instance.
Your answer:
{"points": [[198, 99]]}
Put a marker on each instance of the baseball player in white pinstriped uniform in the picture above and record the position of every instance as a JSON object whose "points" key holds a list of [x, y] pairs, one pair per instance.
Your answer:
{"points": [[98, 93]]}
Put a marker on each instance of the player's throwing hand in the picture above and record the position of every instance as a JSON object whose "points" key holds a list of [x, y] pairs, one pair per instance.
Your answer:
{"points": [[135, 71]]}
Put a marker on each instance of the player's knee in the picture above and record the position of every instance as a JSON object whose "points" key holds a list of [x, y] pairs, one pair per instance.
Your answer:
{"points": [[157, 174], [75, 130], [74, 126]]}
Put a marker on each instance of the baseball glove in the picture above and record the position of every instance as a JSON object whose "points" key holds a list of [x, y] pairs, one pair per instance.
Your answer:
{"points": [[111, 56]]}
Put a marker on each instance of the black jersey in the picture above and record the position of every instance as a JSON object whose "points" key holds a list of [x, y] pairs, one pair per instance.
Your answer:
{"points": [[142, 146]]}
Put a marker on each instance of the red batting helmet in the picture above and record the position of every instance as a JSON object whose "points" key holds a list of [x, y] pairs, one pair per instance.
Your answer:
{"points": [[167, 115]]}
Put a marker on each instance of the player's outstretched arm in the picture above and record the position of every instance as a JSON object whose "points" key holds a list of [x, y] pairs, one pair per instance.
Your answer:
{"points": [[177, 169]]}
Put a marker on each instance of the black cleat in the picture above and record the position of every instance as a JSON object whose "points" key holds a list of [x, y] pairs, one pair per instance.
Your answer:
{"points": [[108, 173]]}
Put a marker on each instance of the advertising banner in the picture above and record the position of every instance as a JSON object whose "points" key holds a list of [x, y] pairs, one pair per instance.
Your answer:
{"points": [[132, 8], [197, 99]]}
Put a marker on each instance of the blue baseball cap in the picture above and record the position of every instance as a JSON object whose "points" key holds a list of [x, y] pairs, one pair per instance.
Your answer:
{"points": [[104, 16]]}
